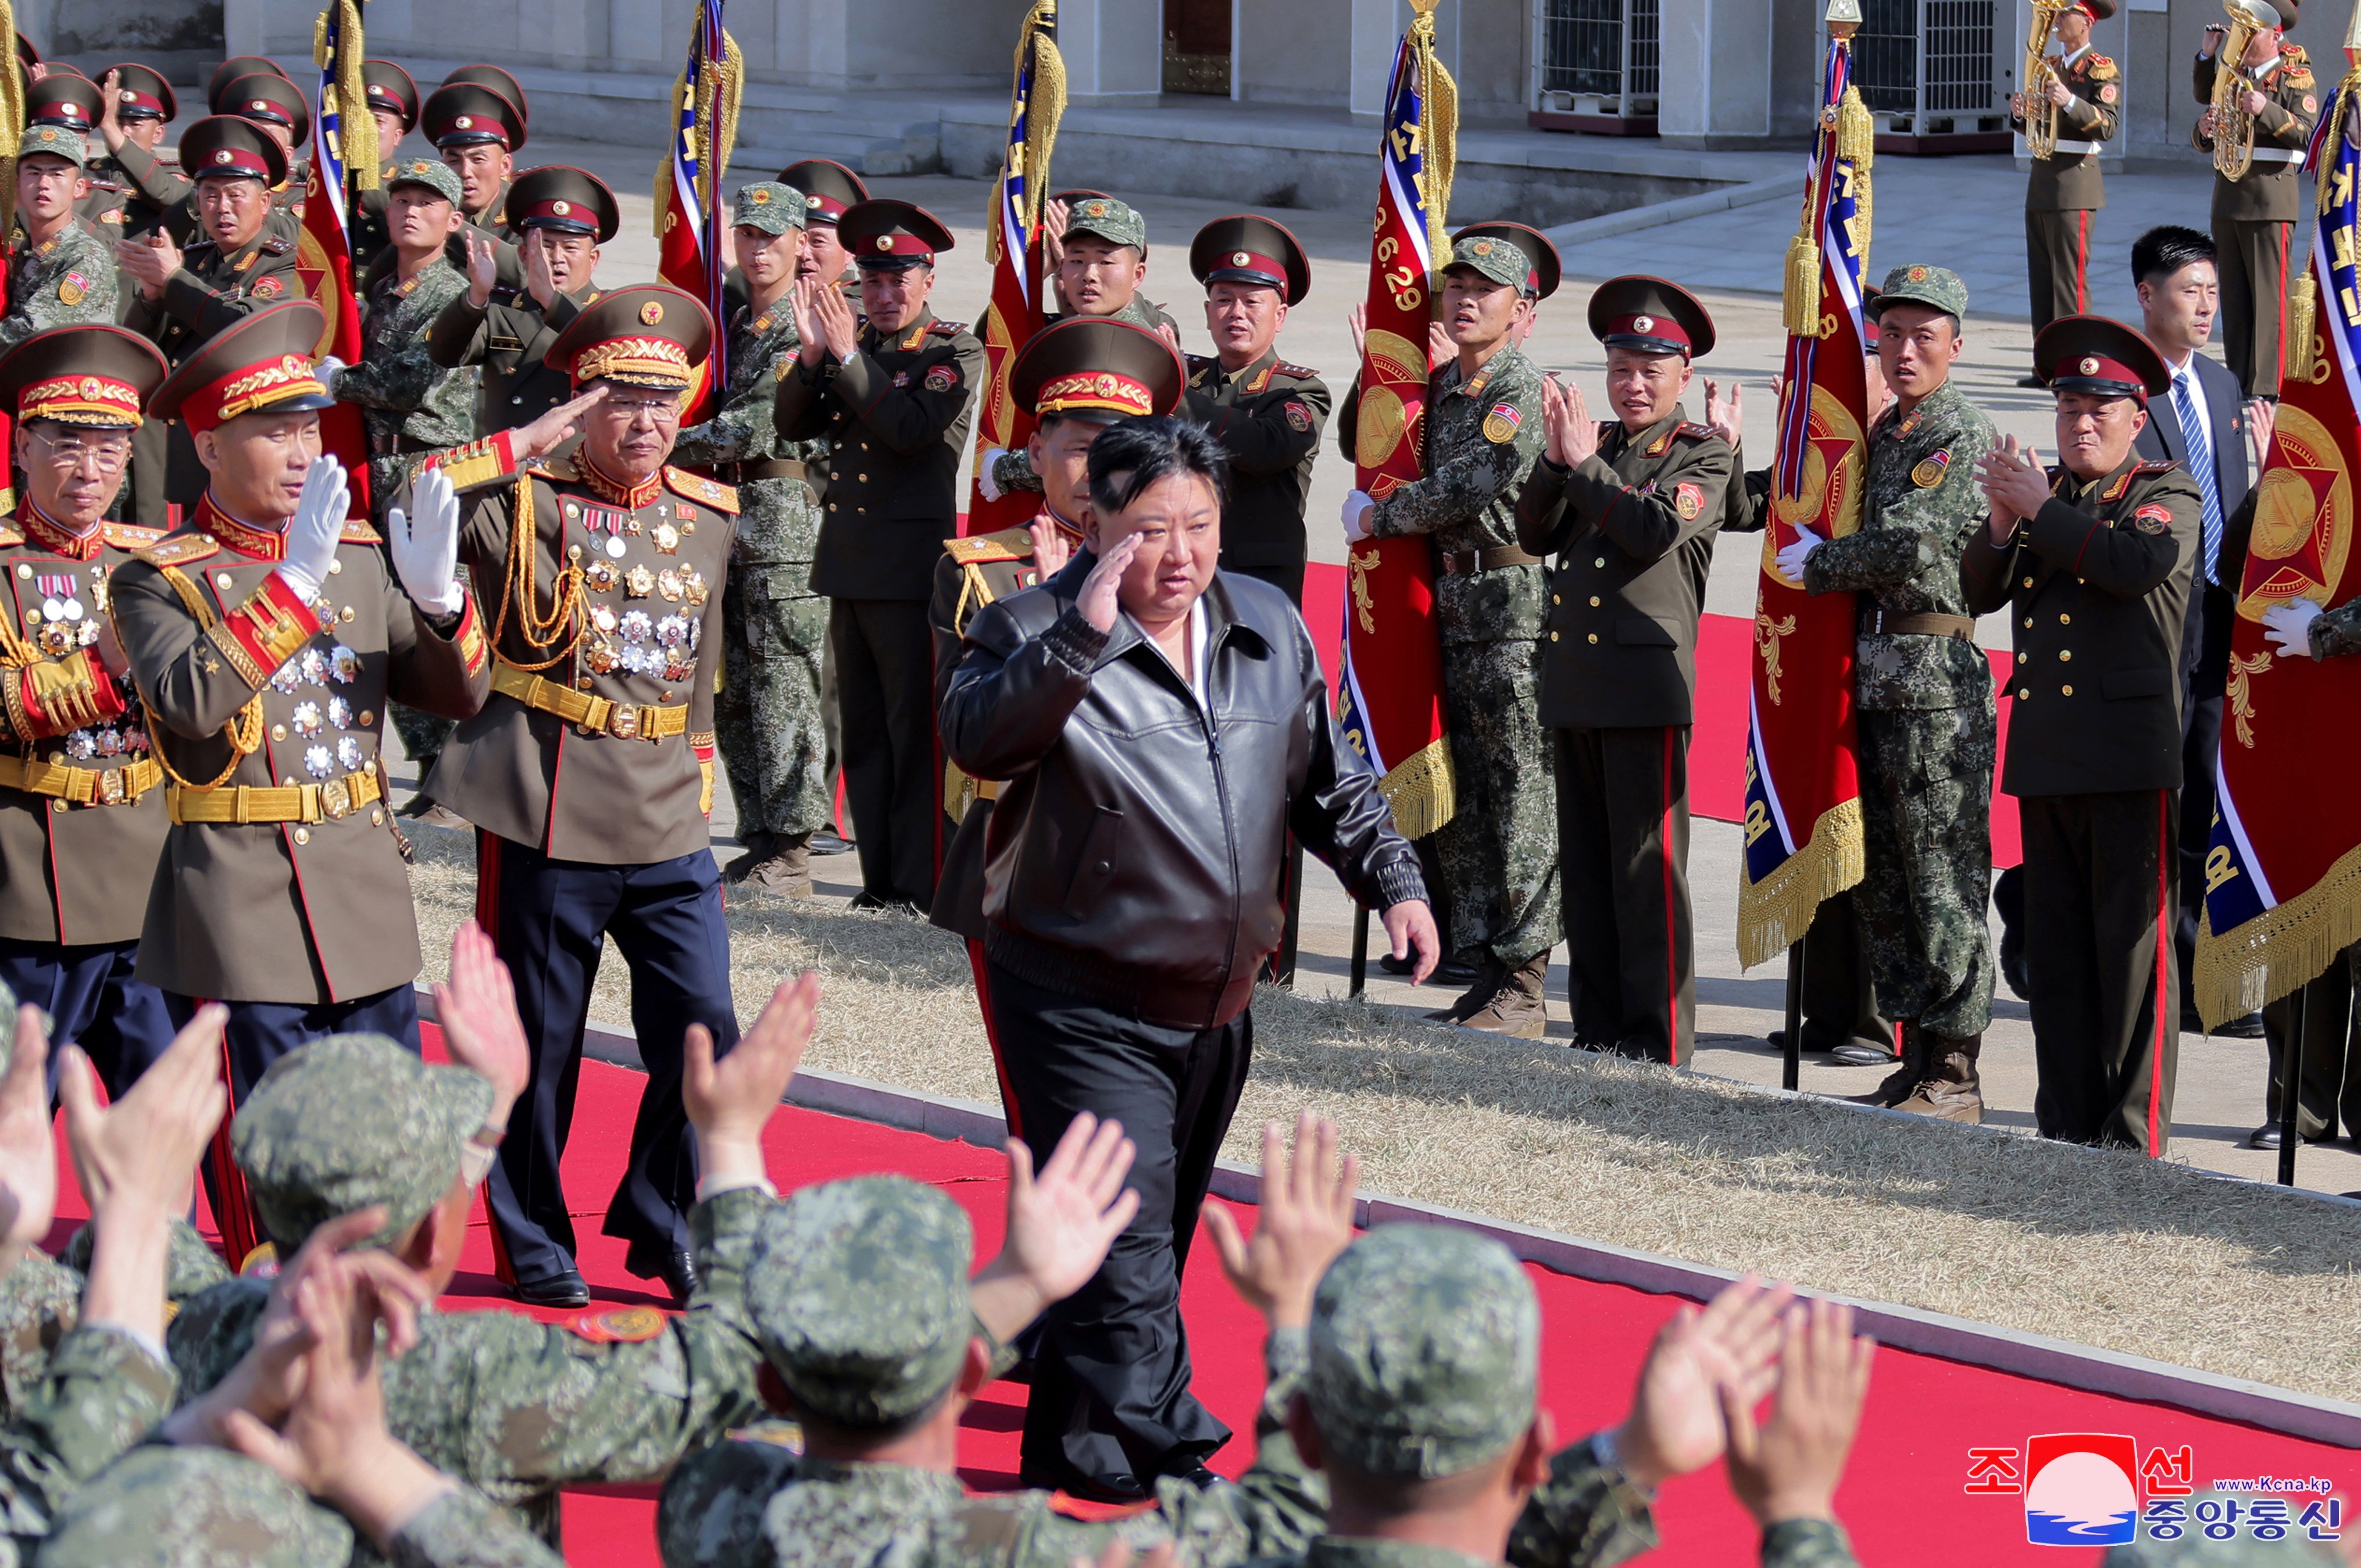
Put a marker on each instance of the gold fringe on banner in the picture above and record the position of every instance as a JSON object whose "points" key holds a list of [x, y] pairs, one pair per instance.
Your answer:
{"points": [[1419, 789], [2279, 950], [2302, 316], [12, 124], [1046, 109], [1439, 124], [1857, 144], [355, 127], [715, 137], [1773, 914]]}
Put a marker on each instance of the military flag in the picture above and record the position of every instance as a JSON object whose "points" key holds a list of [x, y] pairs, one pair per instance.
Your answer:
{"points": [[1803, 785], [1389, 690], [12, 126], [343, 158], [690, 228]]}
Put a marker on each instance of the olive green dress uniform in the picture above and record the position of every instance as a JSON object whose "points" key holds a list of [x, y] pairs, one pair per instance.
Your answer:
{"points": [[2064, 189], [1632, 528], [2254, 217], [116, 206], [1267, 416], [509, 336], [391, 88]]}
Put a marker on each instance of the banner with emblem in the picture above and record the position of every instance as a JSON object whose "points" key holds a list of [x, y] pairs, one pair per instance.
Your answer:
{"points": [[12, 126], [1803, 783], [1012, 241], [344, 158], [690, 228], [1389, 689], [2283, 870]]}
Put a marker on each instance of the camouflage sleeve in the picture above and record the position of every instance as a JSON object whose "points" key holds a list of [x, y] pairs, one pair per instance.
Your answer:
{"points": [[1807, 1543], [103, 1394], [2337, 633], [728, 436], [73, 292], [462, 1530], [1913, 531], [212, 1331], [395, 380], [710, 1514], [1461, 485], [40, 1299], [1012, 471], [1584, 1516], [190, 1265]]}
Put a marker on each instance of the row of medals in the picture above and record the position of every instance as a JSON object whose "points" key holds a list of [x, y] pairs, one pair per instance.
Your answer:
{"points": [[665, 647], [317, 666], [61, 624]]}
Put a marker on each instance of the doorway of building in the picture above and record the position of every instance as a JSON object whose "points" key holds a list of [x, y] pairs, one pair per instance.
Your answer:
{"points": [[1197, 46]]}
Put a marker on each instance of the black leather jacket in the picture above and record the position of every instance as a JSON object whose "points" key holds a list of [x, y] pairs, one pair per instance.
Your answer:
{"points": [[1134, 857]]}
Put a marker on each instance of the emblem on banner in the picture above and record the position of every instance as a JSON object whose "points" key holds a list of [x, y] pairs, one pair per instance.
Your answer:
{"points": [[2303, 519], [1830, 501]]}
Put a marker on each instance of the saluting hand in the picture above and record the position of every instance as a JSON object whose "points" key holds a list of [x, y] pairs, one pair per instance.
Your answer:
{"points": [[423, 540], [1098, 601], [554, 429], [483, 267], [110, 118]]}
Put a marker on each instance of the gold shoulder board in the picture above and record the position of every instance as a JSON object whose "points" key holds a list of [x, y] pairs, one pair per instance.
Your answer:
{"points": [[697, 488]]}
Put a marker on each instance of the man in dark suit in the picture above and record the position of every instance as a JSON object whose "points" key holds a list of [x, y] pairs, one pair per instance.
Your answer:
{"points": [[2200, 424]]}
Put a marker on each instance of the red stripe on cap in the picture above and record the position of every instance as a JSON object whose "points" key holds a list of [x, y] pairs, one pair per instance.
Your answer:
{"points": [[1249, 262], [897, 244], [242, 162], [128, 99], [1663, 328]]}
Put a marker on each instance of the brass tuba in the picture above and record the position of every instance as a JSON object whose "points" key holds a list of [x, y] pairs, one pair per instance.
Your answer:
{"points": [[2233, 129], [2040, 113]]}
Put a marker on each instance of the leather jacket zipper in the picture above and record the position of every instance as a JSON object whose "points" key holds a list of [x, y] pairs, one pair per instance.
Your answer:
{"points": [[1229, 831]]}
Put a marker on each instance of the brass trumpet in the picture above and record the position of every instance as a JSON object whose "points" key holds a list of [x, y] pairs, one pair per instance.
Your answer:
{"points": [[2233, 129], [2040, 113]]}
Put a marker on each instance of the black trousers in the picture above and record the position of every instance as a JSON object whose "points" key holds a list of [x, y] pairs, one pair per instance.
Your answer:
{"points": [[2331, 1095], [1623, 856], [95, 1002], [1840, 1002], [883, 656], [2099, 905], [2200, 747], [1110, 1408], [548, 917]]}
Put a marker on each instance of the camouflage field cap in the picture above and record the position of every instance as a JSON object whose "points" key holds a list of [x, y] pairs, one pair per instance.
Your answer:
{"points": [[1501, 260], [431, 172], [1425, 1352], [858, 1294], [349, 1121], [1112, 221], [768, 205], [1937, 288], [56, 141], [163, 1506]]}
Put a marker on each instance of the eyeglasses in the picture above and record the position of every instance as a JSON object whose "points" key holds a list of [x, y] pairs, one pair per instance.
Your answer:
{"points": [[661, 410], [109, 451]]}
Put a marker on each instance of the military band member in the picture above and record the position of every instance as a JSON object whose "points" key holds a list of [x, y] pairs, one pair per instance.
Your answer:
{"points": [[266, 637], [2065, 188], [893, 399], [2254, 216], [183, 298], [1628, 506], [589, 772], [2093, 561], [394, 105], [477, 130], [60, 272], [1499, 852], [563, 216], [136, 106], [81, 809], [1924, 694], [766, 720]]}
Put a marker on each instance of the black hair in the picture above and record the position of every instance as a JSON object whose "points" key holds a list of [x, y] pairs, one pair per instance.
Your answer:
{"points": [[2166, 250], [1135, 454], [1050, 422]]}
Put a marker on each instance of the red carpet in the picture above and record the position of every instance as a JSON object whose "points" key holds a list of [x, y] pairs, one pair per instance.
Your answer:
{"points": [[1906, 1498], [1718, 749]]}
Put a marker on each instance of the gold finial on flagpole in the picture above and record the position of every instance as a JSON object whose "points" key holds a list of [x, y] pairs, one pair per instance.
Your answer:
{"points": [[1843, 17]]}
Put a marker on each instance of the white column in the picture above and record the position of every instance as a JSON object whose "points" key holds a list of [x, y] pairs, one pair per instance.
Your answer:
{"points": [[1113, 50], [1716, 80]]}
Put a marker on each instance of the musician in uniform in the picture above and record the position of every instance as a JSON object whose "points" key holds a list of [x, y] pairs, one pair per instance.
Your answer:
{"points": [[2080, 90], [81, 812], [60, 272], [477, 129], [137, 105], [2255, 215], [590, 772], [893, 399], [2093, 561]]}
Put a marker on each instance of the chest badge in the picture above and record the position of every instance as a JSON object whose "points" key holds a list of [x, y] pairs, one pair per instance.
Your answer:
{"points": [[1299, 418], [1931, 469], [1689, 501], [2153, 520], [1500, 424]]}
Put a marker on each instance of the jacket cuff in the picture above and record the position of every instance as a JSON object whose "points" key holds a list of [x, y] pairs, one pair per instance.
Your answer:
{"points": [[1805, 1540], [186, 297], [1399, 881], [477, 462], [57, 697], [1074, 642], [267, 631]]}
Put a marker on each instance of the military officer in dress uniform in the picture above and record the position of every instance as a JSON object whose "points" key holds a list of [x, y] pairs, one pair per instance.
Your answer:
{"points": [[266, 637], [893, 399], [1630, 507], [2093, 561], [81, 809], [60, 272], [394, 105], [477, 129], [136, 106], [2065, 188], [67, 98], [2254, 216], [278, 106], [184, 298], [589, 773]]}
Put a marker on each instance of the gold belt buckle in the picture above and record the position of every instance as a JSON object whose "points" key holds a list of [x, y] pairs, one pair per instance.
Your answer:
{"points": [[623, 724], [336, 800], [111, 789]]}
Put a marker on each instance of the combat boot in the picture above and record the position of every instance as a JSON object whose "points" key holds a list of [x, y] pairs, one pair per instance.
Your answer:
{"points": [[1902, 1079], [786, 866], [1516, 1008], [1490, 972], [1949, 1088], [755, 846]]}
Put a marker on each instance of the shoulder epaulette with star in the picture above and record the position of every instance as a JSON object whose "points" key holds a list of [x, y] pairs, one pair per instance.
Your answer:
{"points": [[1693, 430], [697, 488], [946, 329], [554, 470], [359, 531], [2102, 69], [274, 246], [1008, 545], [10, 536], [1300, 372], [129, 535], [179, 550]]}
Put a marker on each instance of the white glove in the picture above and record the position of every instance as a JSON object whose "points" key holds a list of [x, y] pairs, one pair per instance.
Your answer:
{"points": [[326, 370], [425, 544], [1792, 558], [2289, 626], [1358, 508], [984, 482], [313, 531]]}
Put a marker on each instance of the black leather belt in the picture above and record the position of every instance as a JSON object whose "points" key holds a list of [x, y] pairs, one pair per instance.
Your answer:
{"points": [[1917, 624], [1467, 562]]}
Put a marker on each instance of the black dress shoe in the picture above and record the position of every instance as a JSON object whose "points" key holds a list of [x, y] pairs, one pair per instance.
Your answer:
{"points": [[1777, 1041], [2249, 1028], [828, 842], [2266, 1136], [1857, 1053], [677, 1267], [565, 1289]]}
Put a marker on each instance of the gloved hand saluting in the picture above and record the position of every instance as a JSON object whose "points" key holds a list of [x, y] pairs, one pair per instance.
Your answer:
{"points": [[425, 542], [313, 531]]}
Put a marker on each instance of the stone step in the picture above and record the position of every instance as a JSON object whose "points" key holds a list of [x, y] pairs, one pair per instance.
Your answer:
{"points": [[866, 144]]}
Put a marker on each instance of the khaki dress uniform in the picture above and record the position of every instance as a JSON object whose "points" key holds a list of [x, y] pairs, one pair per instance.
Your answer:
{"points": [[2254, 217], [2064, 189], [115, 206], [1267, 416]]}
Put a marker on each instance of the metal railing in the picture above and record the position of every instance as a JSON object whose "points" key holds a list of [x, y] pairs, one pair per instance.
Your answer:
{"points": [[1931, 66], [1603, 50]]}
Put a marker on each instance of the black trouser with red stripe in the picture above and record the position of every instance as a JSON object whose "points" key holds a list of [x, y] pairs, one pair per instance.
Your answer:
{"points": [[2057, 264], [2101, 878], [1623, 856]]}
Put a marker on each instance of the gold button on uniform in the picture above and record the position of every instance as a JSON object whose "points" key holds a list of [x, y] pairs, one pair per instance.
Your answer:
{"points": [[2024, 692], [377, 819], [1553, 637], [60, 804], [1600, 562], [278, 732], [2028, 623], [2065, 619], [369, 717], [2028, 582], [1554, 599], [303, 835], [1594, 637], [1594, 601], [2065, 691], [334, 567], [2065, 655]]}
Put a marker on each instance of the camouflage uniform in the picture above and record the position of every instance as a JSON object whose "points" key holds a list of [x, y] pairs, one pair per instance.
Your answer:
{"points": [[69, 281], [40, 1301], [101, 1394], [1500, 849], [1928, 727]]}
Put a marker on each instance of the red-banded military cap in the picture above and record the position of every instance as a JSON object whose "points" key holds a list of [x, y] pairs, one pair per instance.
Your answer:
{"points": [[64, 98], [829, 189], [650, 335], [259, 365], [2103, 357], [461, 113], [142, 93], [269, 101], [1650, 315], [1472, 246], [233, 68], [390, 87], [2097, 10], [230, 147], [568, 200], [27, 56], [499, 81], [86, 374], [1245, 248], [886, 235], [1096, 368]]}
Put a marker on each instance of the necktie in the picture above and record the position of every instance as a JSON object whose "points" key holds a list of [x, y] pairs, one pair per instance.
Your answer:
{"points": [[2199, 443]]}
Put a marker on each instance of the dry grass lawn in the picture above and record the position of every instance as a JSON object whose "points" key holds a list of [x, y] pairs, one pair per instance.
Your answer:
{"points": [[2152, 1258]]}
